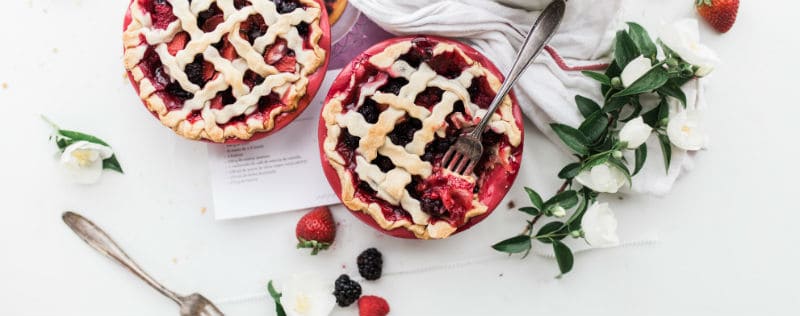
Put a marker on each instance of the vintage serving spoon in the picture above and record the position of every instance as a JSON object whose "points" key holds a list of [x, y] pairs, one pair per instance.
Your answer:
{"points": [[192, 305], [465, 153]]}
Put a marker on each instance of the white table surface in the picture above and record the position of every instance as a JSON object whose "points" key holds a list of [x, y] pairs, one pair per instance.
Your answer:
{"points": [[727, 232]]}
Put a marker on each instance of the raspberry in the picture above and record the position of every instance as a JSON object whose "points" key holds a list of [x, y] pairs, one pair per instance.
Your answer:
{"points": [[370, 305], [346, 291], [370, 264]]}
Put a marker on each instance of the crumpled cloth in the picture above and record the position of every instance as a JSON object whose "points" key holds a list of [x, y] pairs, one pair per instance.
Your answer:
{"points": [[546, 91]]}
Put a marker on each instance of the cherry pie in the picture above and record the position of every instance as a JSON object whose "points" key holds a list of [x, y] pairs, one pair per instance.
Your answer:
{"points": [[226, 70], [389, 118]]}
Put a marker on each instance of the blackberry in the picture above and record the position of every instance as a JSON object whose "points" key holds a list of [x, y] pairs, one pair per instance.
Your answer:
{"points": [[350, 141], [433, 207], [403, 133], [383, 162], [346, 291], [394, 85], [302, 28], [370, 111], [194, 70], [286, 6], [175, 89], [370, 264]]}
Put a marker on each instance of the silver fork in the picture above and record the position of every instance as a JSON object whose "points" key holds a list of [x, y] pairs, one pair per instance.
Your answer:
{"points": [[467, 151], [192, 305]]}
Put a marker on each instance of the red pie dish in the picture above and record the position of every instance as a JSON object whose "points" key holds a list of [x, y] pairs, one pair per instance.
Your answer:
{"points": [[388, 119], [226, 71]]}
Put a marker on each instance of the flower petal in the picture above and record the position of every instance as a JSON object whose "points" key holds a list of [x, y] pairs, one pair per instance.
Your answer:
{"points": [[635, 70]]}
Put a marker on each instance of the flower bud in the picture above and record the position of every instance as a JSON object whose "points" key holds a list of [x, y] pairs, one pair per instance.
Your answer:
{"points": [[559, 211]]}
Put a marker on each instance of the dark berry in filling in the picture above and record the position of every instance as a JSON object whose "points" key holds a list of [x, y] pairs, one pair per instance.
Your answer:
{"points": [[363, 186], [449, 64], [394, 85], [286, 6], [175, 89], [429, 97], [349, 140], [194, 70], [434, 207], [458, 107], [302, 29], [403, 133], [370, 111], [253, 28], [252, 79], [238, 4], [161, 13], [436, 149], [383, 162], [206, 16], [480, 92]]}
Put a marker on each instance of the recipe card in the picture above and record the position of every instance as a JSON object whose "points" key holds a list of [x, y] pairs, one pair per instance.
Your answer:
{"points": [[283, 172], [279, 173]]}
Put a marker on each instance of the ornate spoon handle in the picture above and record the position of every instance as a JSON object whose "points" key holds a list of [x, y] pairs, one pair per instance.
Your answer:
{"points": [[100, 241]]}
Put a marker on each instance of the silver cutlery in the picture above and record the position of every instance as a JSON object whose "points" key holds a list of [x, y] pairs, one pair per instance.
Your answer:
{"points": [[465, 153], [191, 305]]}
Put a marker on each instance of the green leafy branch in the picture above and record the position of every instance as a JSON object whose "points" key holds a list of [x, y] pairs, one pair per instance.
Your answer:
{"points": [[596, 141]]}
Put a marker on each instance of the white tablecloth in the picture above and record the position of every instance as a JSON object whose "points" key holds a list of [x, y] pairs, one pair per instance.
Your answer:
{"points": [[725, 233]]}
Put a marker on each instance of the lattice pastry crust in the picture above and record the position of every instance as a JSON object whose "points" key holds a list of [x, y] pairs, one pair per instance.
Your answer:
{"points": [[391, 186], [290, 86]]}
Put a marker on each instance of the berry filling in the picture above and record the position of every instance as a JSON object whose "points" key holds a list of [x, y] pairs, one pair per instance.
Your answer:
{"points": [[442, 195]]}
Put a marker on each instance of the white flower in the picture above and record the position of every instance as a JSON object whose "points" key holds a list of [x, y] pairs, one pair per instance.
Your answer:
{"points": [[83, 161], [603, 178], [635, 133], [307, 295], [600, 226], [686, 131], [635, 70], [683, 38]]}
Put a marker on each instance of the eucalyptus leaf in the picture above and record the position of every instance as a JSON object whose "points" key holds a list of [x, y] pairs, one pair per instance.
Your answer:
{"points": [[530, 210], [551, 231], [666, 150], [602, 78], [570, 171], [586, 106], [78, 136], [625, 49], [567, 199], [595, 126], [277, 298], [572, 137], [512, 245], [673, 90], [652, 80], [564, 257], [112, 164], [535, 198], [642, 40], [641, 157], [615, 104]]}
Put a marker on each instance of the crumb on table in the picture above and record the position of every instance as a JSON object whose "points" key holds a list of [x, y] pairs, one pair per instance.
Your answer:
{"points": [[511, 204], [4, 85], [203, 210]]}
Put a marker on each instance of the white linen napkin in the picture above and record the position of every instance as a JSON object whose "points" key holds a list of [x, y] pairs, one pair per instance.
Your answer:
{"points": [[546, 92]]}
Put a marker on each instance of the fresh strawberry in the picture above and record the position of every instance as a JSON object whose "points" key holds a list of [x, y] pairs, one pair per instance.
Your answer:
{"points": [[286, 64], [369, 305], [178, 43], [316, 230], [721, 14]]}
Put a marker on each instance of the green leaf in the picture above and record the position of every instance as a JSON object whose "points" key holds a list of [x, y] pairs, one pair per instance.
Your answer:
{"points": [[112, 164], [78, 136], [574, 221], [613, 70], [639, 36], [277, 298], [666, 150], [673, 90], [535, 198], [595, 126], [595, 161], [530, 210], [586, 105], [598, 76], [652, 80], [570, 171], [641, 156], [615, 104], [624, 49], [516, 244], [567, 199], [573, 138], [551, 231], [564, 257]]}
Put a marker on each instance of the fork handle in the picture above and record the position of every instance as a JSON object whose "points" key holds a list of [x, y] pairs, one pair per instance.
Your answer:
{"points": [[540, 34], [100, 241]]}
